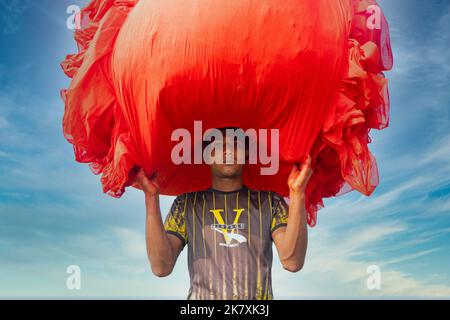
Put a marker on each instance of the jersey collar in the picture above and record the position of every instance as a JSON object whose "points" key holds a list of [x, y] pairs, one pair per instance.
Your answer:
{"points": [[243, 188]]}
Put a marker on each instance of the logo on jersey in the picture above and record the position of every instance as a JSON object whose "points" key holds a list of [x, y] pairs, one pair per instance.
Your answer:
{"points": [[229, 231]]}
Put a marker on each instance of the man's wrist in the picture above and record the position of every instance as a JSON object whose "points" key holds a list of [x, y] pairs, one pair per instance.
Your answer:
{"points": [[151, 196], [297, 194]]}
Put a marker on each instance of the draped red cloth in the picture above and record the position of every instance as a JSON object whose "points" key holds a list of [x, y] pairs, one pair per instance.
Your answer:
{"points": [[308, 68]]}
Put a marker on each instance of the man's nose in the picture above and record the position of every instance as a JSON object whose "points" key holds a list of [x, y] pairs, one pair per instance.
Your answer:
{"points": [[227, 155]]}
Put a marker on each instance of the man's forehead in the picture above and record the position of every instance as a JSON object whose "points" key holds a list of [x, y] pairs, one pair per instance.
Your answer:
{"points": [[230, 139]]}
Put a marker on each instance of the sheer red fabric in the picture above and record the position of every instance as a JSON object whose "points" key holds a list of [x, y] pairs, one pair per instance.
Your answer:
{"points": [[308, 68]]}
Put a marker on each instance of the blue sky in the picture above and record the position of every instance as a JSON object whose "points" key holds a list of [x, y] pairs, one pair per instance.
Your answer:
{"points": [[53, 213]]}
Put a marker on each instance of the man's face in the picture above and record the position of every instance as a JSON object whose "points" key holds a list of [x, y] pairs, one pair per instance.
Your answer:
{"points": [[232, 153]]}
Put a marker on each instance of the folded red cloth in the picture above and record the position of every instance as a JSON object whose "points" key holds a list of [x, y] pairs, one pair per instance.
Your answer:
{"points": [[308, 68]]}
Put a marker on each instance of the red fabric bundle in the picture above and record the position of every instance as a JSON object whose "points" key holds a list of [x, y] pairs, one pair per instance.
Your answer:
{"points": [[308, 68]]}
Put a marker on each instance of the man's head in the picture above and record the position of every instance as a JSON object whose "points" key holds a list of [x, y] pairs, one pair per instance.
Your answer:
{"points": [[228, 151]]}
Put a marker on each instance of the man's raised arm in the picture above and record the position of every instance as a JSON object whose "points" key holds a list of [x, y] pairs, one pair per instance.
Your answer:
{"points": [[292, 241], [163, 249]]}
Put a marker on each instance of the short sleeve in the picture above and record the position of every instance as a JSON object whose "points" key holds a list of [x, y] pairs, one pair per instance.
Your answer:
{"points": [[175, 222], [280, 212]]}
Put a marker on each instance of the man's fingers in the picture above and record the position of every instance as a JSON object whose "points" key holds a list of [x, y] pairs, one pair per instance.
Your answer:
{"points": [[303, 176], [307, 163], [142, 175], [295, 169], [136, 185], [298, 168], [139, 174], [306, 170], [154, 176]]}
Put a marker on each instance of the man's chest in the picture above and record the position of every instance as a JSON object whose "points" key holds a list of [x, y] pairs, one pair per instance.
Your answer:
{"points": [[228, 222]]}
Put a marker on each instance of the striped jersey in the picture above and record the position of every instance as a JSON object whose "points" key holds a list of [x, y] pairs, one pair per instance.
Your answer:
{"points": [[229, 240]]}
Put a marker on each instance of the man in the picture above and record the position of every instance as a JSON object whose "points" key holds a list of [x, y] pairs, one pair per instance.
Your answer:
{"points": [[228, 229]]}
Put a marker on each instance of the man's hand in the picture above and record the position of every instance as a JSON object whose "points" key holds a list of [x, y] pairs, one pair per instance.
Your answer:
{"points": [[299, 177], [150, 185]]}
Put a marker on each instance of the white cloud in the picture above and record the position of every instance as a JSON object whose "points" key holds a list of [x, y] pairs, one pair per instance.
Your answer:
{"points": [[439, 152], [336, 267], [408, 257]]}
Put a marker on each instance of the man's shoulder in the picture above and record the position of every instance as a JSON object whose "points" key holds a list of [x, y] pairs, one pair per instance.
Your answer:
{"points": [[267, 194], [189, 195]]}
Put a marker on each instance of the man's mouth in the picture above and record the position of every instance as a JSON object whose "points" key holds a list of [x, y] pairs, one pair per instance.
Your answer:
{"points": [[229, 161]]}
